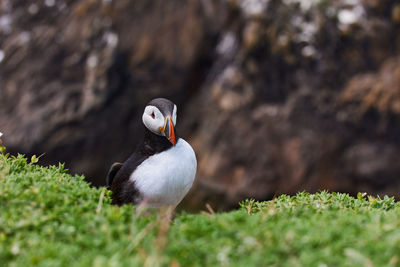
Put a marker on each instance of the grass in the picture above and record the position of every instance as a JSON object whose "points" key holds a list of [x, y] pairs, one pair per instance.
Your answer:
{"points": [[50, 218]]}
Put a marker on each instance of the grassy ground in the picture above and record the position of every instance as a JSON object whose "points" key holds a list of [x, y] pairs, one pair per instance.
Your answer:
{"points": [[50, 218]]}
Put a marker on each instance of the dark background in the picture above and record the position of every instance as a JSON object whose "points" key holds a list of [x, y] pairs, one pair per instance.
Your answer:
{"points": [[274, 96]]}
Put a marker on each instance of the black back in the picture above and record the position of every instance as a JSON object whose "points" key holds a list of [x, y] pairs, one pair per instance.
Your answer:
{"points": [[112, 172], [123, 190]]}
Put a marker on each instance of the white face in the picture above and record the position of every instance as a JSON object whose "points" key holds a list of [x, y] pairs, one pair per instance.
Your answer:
{"points": [[174, 115], [153, 119]]}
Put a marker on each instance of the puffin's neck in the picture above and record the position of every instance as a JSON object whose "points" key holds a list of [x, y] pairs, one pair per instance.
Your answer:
{"points": [[154, 143]]}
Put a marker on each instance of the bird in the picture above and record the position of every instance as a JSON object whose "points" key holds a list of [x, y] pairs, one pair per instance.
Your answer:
{"points": [[162, 169]]}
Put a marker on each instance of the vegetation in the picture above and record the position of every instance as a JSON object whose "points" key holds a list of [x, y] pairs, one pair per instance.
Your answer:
{"points": [[50, 218]]}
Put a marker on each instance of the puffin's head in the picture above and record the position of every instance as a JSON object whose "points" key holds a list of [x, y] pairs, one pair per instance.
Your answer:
{"points": [[159, 117]]}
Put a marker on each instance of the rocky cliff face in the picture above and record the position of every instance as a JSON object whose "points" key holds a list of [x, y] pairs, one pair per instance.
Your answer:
{"points": [[275, 96]]}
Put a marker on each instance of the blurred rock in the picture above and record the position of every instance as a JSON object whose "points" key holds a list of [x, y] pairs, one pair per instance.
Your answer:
{"points": [[75, 75], [379, 92], [307, 101], [275, 96]]}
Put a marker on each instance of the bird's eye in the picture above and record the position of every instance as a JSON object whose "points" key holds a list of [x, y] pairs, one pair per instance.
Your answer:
{"points": [[153, 115]]}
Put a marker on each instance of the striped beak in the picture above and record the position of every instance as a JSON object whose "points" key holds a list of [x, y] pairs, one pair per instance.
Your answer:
{"points": [[168, 130]]}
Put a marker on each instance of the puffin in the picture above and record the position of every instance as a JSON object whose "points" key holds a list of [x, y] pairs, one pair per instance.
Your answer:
{"points": [[161, 170]]}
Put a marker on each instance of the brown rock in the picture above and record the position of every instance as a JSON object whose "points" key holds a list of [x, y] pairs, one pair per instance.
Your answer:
{"points": [[375, 91]]}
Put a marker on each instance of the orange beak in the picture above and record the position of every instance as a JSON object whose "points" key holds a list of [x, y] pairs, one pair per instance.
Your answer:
{"points": [[168, 130]]}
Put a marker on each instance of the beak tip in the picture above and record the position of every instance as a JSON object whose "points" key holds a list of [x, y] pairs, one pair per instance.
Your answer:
{"points": [[172, 140]]}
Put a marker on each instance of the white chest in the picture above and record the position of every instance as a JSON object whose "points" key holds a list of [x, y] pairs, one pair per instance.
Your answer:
{"points": [[165, 178]]}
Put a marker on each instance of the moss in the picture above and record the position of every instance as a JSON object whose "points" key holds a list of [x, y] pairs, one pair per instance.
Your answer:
{"points": [[50, 218]]}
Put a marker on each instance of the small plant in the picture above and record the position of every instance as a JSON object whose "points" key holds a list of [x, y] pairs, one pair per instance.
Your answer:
{"points": [[2, 148]]}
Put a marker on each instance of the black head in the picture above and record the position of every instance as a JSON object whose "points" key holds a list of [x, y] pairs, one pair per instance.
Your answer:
{"points": [[159, 117], [164, 105]]}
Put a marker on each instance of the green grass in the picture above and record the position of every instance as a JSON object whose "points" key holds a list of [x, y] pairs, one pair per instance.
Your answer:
{"points": [[50, 218]]}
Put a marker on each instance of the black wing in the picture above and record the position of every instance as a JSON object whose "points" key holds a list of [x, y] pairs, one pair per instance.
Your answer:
{"points": [[123, 190], [112, 172]]}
